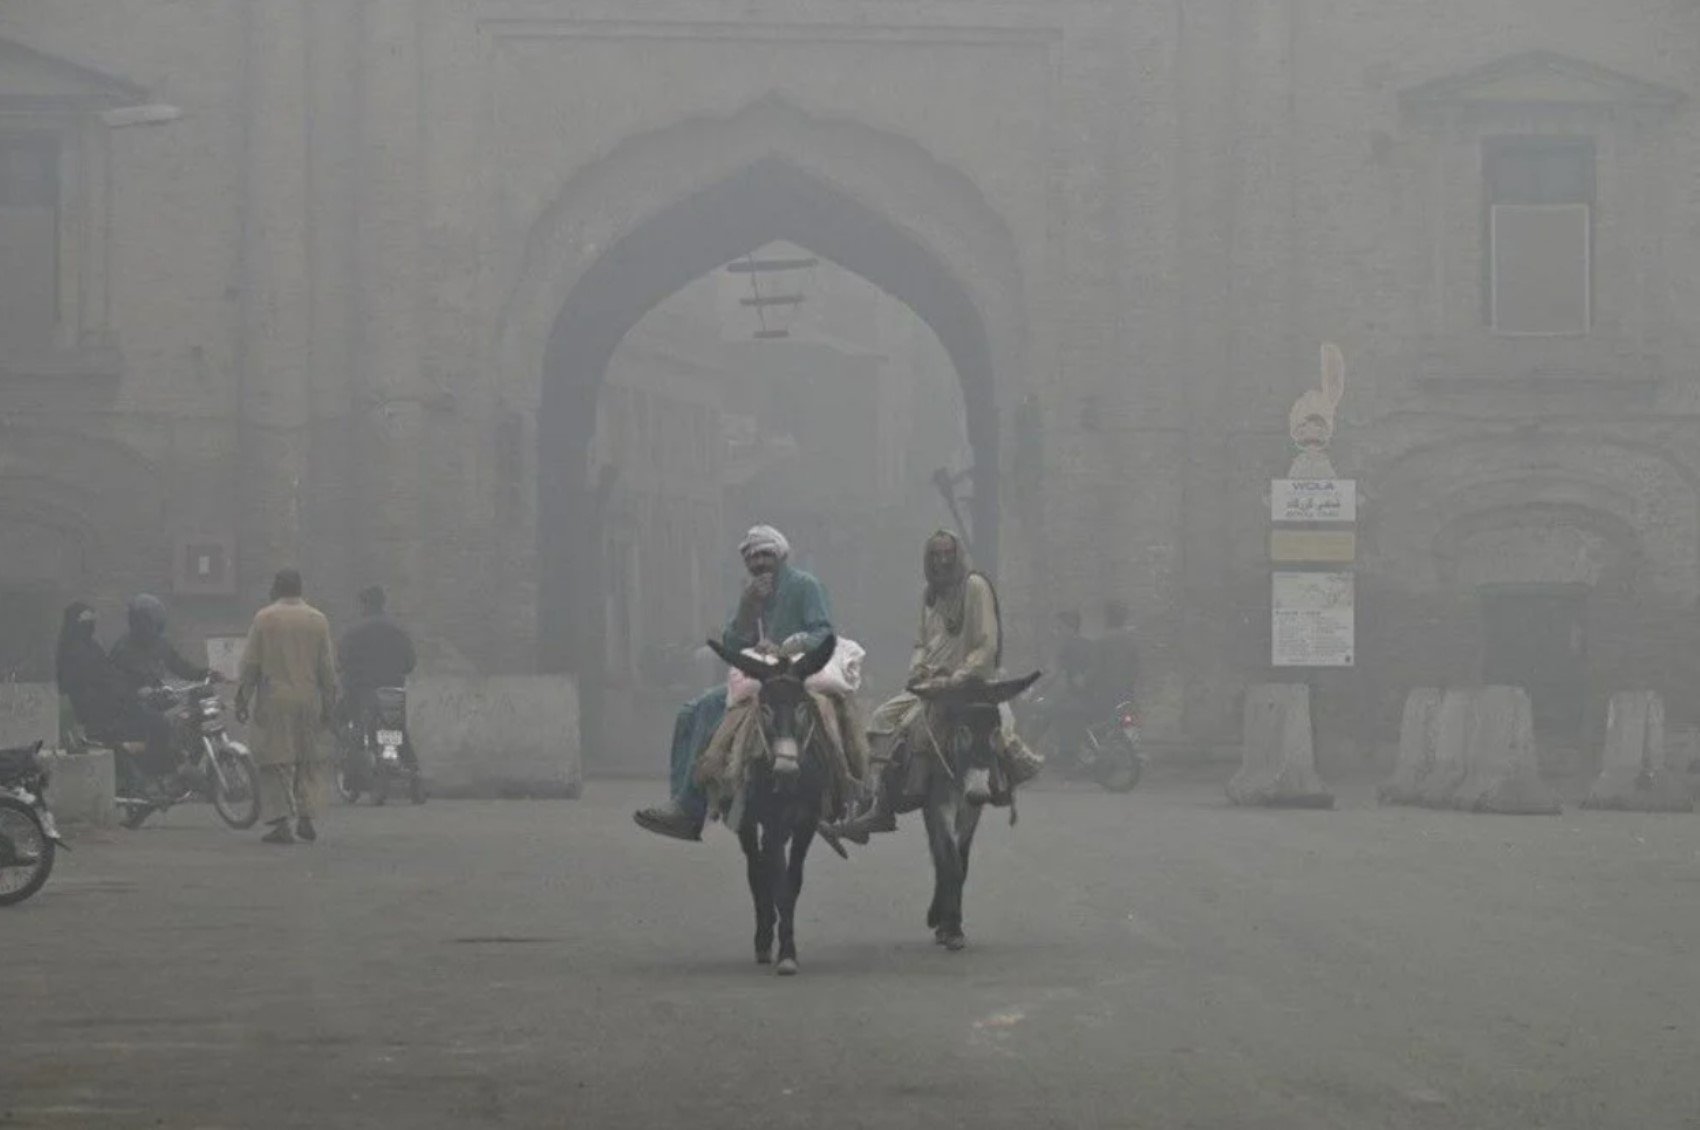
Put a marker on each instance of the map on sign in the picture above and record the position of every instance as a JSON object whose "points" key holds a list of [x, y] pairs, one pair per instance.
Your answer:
{"points": [[1313, 619], [1313, 500]]}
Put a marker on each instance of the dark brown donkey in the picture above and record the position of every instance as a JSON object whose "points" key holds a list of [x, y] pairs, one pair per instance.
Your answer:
{"points": [[782, 798], [962, 721]]}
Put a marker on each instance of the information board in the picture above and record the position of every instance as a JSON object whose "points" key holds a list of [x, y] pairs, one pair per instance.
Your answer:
{"points": [[1312, 619]]}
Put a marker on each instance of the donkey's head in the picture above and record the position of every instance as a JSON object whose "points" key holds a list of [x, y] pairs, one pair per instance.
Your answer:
{"points": [[968, 714], [788, 717]]}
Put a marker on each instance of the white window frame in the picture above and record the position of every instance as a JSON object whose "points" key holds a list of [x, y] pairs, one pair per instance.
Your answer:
{"points": [[1587, 325]]}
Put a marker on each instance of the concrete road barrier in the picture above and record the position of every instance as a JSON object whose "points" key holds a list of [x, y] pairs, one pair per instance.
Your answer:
{"points": [[82, 788], [1419, 734], [1501, 772], [29, 713], [1279, 766], [1636, 773], [1439, 787], [497, 736]]}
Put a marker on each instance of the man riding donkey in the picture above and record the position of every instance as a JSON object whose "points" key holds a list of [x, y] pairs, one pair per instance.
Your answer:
{"points": [[960, 642], [783, 611]]}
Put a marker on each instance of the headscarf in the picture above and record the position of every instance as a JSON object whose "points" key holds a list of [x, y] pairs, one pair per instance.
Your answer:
{"points": [[76, 627], [948, 595], [147, 616], [764, 539]]}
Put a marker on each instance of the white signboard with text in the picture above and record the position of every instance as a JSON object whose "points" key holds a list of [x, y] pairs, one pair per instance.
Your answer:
{"points": [[1313, 500], [224, 655], [1312, 619]]}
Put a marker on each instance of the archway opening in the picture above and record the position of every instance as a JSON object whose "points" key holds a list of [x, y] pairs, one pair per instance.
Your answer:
{"points": [[698, 236]]}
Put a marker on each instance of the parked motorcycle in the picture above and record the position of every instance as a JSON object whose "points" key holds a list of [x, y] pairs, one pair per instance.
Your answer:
{"points": [[210, 765], [370, 748], [1107, 752], [29, 838]]}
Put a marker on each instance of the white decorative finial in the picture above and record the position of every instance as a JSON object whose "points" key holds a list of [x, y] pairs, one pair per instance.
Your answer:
{"points": [[1311, 421]]}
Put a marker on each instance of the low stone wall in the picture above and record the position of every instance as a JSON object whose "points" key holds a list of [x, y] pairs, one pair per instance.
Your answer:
{"points": [[1635, 772], [1278, 768], [497, 736], [29, 713], [81, 788]]}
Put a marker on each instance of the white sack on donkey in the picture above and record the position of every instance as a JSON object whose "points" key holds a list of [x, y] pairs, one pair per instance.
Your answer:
{"points": [[842, 674]]}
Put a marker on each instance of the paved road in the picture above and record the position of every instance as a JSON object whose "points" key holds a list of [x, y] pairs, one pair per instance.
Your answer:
{"points": [[1153, 961]]}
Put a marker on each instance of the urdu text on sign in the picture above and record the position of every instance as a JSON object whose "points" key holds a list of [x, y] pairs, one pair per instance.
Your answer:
{"points": [[1313, 500]]}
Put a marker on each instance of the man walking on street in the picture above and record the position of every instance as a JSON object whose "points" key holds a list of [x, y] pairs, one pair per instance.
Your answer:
{"points": [[289, 672]]}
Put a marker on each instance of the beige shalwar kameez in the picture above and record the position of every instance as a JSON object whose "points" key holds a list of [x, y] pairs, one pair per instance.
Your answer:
{"points": [[290, 667]]}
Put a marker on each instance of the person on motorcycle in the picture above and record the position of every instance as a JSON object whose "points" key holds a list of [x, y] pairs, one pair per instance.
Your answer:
{"points": [[144, 658], [106, 708], [961, 638], [143, 655], [1115, 663], [375, 653], [780, 604]]}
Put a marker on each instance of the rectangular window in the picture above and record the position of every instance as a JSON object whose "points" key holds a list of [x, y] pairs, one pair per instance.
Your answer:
{"points": [[29, 238], [1540, 218]]}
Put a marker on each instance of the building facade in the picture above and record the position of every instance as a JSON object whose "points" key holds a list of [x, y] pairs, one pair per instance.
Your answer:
{"points": [[337, 282]]}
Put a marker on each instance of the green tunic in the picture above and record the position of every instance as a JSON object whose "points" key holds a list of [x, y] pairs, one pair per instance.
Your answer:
{"points": [[797, 607]]}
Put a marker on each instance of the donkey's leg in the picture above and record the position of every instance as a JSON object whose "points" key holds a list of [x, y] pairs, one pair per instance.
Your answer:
{"points": [[791, 885], [760, 891], [967, 823], [935, 909], [947, 869]]}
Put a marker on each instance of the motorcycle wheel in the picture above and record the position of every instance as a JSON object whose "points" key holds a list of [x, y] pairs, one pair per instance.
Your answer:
{"points": [[380, 786], [237, 798], [21, 834], [1118, 765]]}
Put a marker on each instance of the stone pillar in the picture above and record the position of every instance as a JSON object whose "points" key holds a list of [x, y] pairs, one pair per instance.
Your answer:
{"points": [[274, 360], [333, 513], [1635, 772], [1279, 767], [387, 249]]}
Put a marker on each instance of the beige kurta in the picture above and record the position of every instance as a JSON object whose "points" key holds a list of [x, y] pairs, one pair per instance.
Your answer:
{"points": [[290, 667], [938, 650]]}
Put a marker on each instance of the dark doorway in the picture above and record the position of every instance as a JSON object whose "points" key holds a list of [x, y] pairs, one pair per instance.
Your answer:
{"points": [[1535, 637]]}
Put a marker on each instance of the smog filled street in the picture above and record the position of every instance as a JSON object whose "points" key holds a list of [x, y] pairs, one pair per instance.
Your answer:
{"points": [[1156, 960]]}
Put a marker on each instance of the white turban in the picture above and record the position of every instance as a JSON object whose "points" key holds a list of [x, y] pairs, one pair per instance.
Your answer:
{"points": [[764, 539]]}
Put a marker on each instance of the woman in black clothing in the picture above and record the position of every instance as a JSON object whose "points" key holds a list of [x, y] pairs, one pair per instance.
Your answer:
{"points": [[102, 700]]}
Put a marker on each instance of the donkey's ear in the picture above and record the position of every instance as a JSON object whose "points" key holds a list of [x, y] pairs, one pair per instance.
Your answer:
{"points": [[755, 668], [1000, 693], [813, 661]]}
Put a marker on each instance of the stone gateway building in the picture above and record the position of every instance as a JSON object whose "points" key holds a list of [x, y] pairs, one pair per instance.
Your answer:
{"points": [[336, 283]]}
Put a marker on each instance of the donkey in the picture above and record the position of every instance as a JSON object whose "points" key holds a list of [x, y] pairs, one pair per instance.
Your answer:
{"points": [[963, 720], [782, 797]]}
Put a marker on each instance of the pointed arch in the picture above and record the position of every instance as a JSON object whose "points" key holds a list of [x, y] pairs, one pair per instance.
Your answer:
{"points": [[668, 207]]}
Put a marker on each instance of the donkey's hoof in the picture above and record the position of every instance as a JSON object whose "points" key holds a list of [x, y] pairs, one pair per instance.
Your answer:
{"points": [[787, 967], [953, 942], [764, 957], [938, 935]]}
